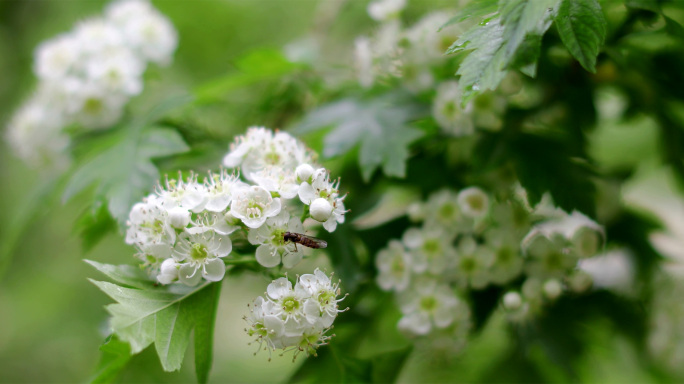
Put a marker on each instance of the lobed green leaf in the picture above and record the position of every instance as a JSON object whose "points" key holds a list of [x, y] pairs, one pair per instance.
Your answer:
{"points": [[582, 28], [380, 127]]}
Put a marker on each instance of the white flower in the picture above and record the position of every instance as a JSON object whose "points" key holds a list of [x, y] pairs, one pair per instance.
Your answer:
{"points": [[549, 257], [394, 265], [321, 308], [381, 10], [93, 106], [322, 187], [259, 148], [199, 255], [448, 112], [431, 249], [508, 259], [55, 58], [278, 180], [253, 205], [295, 319], [272, 245], [179, 217], [442, 209], [119, 71], [472, 263], [96, 36], [426, 306], [34, 133], [473, 202], [220, 188], [145, 29], [148, 225], [168, 272], [188, 194], [585, 234]]}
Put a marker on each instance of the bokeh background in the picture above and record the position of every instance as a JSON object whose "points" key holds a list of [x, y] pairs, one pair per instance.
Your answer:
{"points": [[52, 320]]}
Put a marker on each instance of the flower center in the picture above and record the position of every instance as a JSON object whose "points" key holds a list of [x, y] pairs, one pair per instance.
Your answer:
{"points": [[468, 264], [504, 255], [398, 266], [447, 211], [476, 202], [93, 105], [254, 209], [198, 252], [290, 304], [428, 303], [272, 158], [325, 297], [432, 247]]}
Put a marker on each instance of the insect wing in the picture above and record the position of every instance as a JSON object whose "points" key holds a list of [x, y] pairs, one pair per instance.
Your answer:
{"points": [[312, 242]]}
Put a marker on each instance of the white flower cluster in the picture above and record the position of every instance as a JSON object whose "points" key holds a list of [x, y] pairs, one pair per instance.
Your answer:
{"points": [[182, 231], [468, 241], [87, 75], [409, 54], [295, 318]]}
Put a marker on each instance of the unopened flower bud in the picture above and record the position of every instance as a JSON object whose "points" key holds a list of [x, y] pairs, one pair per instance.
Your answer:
{"points": [[552, 289], [320, 209], [179, 217], [512, 301], [304, 172], [168, 272]]}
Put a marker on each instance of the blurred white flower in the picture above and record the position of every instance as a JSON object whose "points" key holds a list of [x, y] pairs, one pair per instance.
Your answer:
{"points": [[394, 265], [473, 202], [381, 10], [431, 249], [426, 306], [448, 112]]}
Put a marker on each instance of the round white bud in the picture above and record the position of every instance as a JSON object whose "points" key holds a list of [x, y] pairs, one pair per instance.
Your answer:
{"points": [[168, 271], [304, 172], [512, 301], [320, 209], [552, 289], [179, 217]]}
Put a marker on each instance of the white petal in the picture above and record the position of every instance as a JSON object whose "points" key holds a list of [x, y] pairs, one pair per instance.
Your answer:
{"points": [[418, 323], [306, 193], [225, 246], [279, 288], [443, 317], [273, 209], [290, 259], [214, 270], [218, 203], [266, 256], [189, 275], [330, 225], [312, 310]]}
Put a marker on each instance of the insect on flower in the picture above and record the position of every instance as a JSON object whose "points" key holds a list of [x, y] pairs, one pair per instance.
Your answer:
{"points": [[307, 241]]}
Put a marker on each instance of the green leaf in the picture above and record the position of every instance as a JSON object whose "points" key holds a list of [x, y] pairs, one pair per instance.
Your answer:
{"points": [[127, 275], [115, 355], [255, 67], [94, 224], [386, 367], [582, 28], [28, 209], [511, 40], [673, 28], [163, 316], [204, 331], [121, 166], [378, 126], [472, 10]]}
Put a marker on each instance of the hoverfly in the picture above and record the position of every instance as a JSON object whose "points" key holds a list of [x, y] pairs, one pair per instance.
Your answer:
{"points": [[307, 241]]}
